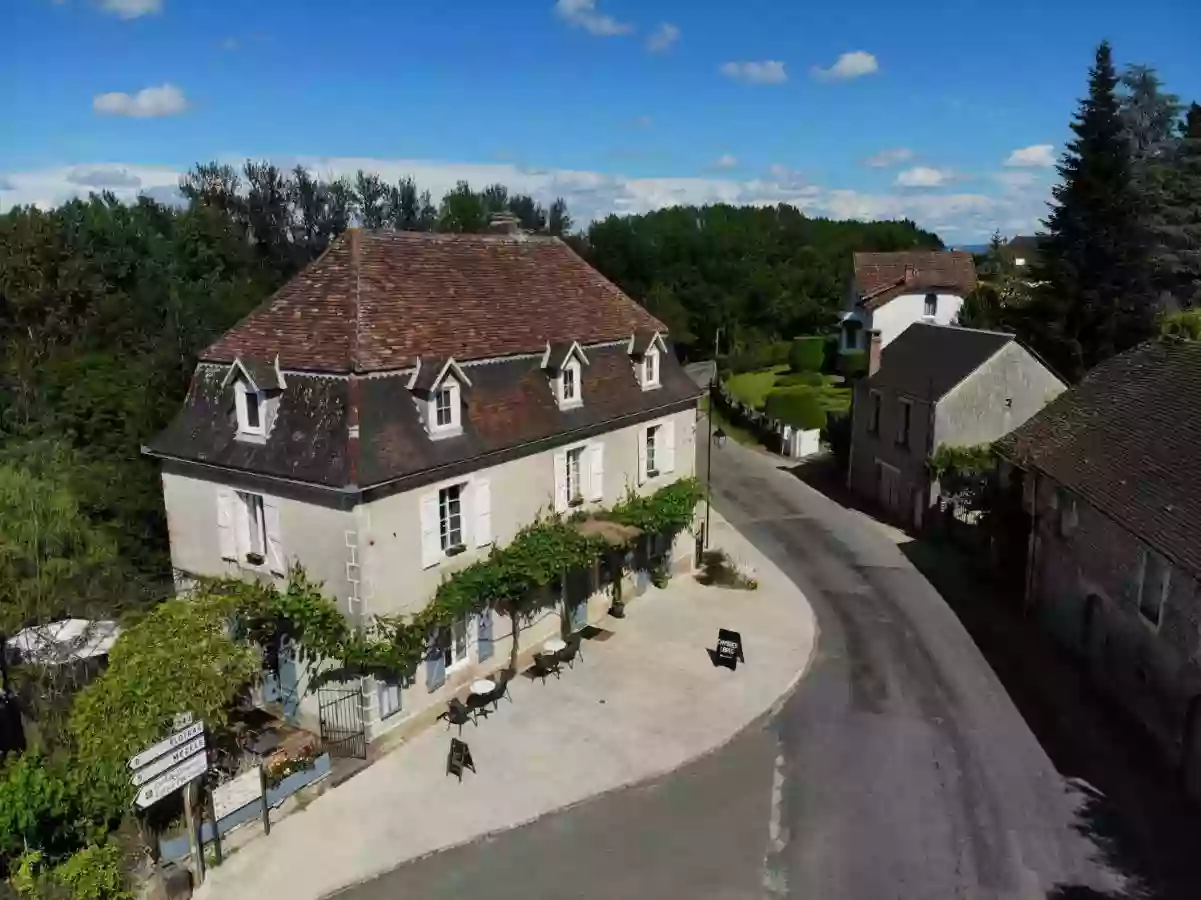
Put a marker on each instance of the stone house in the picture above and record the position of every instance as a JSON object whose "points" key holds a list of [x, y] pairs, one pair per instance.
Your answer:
{"points": [[1109, 478], [401, 406], [891, 291], [936, 385]]}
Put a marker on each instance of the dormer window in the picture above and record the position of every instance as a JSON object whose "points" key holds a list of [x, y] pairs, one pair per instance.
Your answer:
{"points": [[569, 384], [650, 369], [444, 415], [249, 404], [646, 349], [563, 364], [439, 387]]}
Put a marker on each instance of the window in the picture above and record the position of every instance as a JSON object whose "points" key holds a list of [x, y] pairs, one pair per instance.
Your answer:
{"points": [[652, 463], [450, 516], [873, 424], [444, 407], [1154, 578], [906, 412], [932, 304], [650, 369], [454, 650], [388, 692], [575, 468], [444, 415], [1068, 517], [254, 543], [569, 391], [249, 406]]}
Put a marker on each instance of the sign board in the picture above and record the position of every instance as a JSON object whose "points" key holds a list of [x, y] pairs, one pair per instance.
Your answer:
{"points": [[163, 763], [236, 793], [729, 649], [178, 739], [182, 720], [172, 780], [459, 758]]}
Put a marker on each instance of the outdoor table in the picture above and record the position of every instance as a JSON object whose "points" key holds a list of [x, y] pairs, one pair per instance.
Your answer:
{"points": [[483, 686], [554, 645]]}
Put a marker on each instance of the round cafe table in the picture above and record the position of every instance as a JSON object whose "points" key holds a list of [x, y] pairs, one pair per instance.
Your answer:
{"points": [[483, 686], [554, 645]]}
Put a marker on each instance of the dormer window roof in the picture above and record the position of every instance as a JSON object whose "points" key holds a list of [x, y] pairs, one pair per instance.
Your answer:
{"points": [[641, 342], [439, 386], [253, 381], [259, 375], [646, 349], [564, 362]]}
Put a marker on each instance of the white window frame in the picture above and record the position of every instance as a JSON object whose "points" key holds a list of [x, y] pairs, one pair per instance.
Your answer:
{"points": [[387, 693], [444, 515], [576, 491], [1145, 557], [572, 367], [448, 387], [650, 437], [459, 639], [242, 395], [252, 516], [650, 368]]}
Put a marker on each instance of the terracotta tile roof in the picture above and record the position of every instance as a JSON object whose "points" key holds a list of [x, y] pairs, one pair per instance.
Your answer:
{"points": [[879, 277], [1127, 439], [377, 300], [925, 361]]}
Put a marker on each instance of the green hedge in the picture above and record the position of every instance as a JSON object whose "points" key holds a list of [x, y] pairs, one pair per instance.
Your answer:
{"points": [[759, 355], [806, 353], [796, 406], [853, 363], [808, 379]]}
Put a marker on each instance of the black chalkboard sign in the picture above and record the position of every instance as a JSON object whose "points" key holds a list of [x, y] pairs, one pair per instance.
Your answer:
{"points": [[459, 758], [729, 649]]}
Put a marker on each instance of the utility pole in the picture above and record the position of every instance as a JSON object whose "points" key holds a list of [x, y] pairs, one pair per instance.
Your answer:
{"points": [[709, 445]]}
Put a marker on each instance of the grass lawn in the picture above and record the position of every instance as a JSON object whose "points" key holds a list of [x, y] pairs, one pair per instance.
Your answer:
{"points": [[753, 387]]}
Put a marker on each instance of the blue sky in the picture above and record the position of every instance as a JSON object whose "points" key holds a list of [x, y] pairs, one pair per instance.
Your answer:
{"points": [[863, 109]]}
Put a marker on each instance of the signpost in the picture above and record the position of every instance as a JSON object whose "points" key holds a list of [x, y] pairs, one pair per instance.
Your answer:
{"points": [[163, 763], [172, 780], [729, 649], [459, 758], [178, 739]]}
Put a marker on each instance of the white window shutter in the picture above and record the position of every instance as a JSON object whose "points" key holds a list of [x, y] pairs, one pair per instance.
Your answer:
{"points": [[668, 453], [560, 481], [596, 471], [275, 542], [227, 538], [431, 533], [641, 454], [483, 512]]}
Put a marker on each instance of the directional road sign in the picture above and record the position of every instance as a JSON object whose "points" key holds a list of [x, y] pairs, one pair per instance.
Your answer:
{"points": [[176, 740], [165, 762], [172, 780]]}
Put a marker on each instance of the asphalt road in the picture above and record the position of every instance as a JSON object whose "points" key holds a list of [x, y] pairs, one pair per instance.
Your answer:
{"points": [[899, 768]]}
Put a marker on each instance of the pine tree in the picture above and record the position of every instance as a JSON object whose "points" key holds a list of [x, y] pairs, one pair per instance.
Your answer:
{"points": [[1095, 298], [1177, 231]]}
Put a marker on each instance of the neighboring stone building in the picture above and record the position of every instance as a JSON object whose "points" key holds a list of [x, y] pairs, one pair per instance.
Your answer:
{"points": [[1023, 251], [402, 405], [936, 385], [891, 291], [1110, 478]]}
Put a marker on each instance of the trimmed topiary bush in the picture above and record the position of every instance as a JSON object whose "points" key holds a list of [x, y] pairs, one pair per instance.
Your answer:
{"points": [[853, 363], [830, 354], [806, 353], [807, 379], [796, 406]]}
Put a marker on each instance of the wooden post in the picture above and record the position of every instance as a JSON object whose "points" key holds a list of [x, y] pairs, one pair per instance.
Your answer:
{"points": [[195, 844], [266, 807], [216, 829]]}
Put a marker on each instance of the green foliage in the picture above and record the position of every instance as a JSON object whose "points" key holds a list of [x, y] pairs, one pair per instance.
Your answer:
{"points": [[39, 808], [1184, 325], [968, 461], [796, 406], [806, 379], [93, 873], [759, 355], [853, 363], [807, 353], [752, 387]]}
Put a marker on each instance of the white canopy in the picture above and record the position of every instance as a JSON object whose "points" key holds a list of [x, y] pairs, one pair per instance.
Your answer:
{"points": [[64, 641]]}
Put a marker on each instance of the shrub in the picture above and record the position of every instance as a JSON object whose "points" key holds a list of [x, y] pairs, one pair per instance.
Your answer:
{"points": [[796, 406], [838, 436], [758, 355], [806, 354], [830, 354], [853, 363], [1184, 325], [93, 873], [39, 809], [807, 379]]}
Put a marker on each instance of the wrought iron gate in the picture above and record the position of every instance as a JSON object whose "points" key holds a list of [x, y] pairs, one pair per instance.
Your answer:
{"points": [[341, 718]]}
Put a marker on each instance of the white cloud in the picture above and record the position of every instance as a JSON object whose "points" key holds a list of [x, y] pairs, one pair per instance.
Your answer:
{"points": [[890, 157], [768, 71], [583, 14], [591, 195], [663, 37], [848, 66], [164, 100], [131, 9], [726, 161], [1037, 156], [923, 176], [104, 177], [1015, 180]]}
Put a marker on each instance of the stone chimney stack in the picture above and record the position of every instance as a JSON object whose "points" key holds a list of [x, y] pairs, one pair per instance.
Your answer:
{"points": [[874, 349], [504, 223]]}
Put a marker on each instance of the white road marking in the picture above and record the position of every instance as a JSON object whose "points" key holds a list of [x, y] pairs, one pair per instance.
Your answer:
{"points": [[774, 882]]}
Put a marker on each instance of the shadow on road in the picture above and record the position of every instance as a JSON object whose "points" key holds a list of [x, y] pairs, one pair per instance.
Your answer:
{"points": [[1134, 810]]}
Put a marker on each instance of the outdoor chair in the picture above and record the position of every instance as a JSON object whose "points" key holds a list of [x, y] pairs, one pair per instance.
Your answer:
{"points": [[545, 665], [456, 714], [502, 680], [478, 704], [569, 653]]}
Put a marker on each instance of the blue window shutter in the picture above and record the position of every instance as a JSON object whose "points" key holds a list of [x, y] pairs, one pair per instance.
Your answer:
{"points": [[435, 667], [484, 641]]}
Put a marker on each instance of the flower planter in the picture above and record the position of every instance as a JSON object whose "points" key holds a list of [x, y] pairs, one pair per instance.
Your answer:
{"points": [[456, 549], [255, 559]]}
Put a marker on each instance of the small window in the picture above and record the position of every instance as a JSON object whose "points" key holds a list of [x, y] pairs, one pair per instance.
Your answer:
{"points": [[443, 409], [650, 369], [932, 304], [444, 413], [388, 692], [873, 424], [1155, 578], [569, 385], [575, 468], [450, 515], [454, 650], [652, 439], [906, 412], [254, 542], [249, 406], [1068, 516]]}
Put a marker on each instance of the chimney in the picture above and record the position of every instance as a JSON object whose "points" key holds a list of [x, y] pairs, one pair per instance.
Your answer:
{"points": [[874, 349], [503, 223], [910, 274]]}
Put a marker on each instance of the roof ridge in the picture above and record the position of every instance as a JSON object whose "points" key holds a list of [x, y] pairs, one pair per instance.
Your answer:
{"points": [[358, 300]]}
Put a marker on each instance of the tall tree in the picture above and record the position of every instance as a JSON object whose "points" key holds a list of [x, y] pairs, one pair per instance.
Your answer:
{"points": [[1177, 230], [1149, 115], [1096, 297], [558, 221], [404, 208], [372, 195], [528, 211], [462, 210], [269, 214]]}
